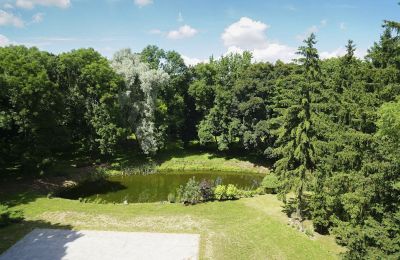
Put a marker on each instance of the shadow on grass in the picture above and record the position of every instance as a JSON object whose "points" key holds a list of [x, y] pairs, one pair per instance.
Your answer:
{"points": [[290, 207], [90, 188], [46, 244], [17, 198]]}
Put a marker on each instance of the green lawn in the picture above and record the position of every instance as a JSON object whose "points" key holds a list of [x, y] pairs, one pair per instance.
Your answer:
{"points": [[209, 162], [253, 228], [192, 158]]}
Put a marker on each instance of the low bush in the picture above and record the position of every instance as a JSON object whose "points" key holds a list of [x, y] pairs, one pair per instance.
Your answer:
{"points": [[232, 192], [206, 190], [270, 184], [190, 193], [220, 192], [246, 193]]}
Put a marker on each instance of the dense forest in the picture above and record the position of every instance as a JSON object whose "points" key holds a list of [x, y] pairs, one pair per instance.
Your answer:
{"points": [[330, 127]]}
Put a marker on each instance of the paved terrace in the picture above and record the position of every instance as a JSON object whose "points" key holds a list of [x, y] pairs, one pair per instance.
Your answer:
{"points": [[54, 244]]}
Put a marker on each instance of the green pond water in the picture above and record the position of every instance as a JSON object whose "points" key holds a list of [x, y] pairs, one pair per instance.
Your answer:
{"points": [[154, 187]]}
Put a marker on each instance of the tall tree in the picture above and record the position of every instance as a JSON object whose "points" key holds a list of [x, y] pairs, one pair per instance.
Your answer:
{"points": [[90, 89], [30, 108], [173, 102], [296, 135], [138, 99]]}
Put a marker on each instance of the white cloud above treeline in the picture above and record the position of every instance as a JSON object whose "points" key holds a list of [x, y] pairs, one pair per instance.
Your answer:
{"points": [[29, 4], [192, 61], [4, 41], [250, 35], [245, 33], [182, 32], [7, 18]]}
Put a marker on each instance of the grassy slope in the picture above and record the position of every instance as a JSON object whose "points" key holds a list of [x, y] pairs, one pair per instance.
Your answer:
{"points": [[193, 158], [251, 228], [207, 161]]}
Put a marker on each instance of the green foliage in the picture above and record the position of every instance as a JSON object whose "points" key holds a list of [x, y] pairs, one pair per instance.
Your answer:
{"points": [[173, 102], [270, 183], [190, 193], [389, 122], [8, 216], [330, 127], [30, 107], [232, 192], [91, 90], [296, 136], [247, 193], [220, 192], [139, 98]]}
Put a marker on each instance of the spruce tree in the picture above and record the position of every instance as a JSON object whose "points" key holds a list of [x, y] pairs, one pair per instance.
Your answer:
{"points": [[296, 135]]}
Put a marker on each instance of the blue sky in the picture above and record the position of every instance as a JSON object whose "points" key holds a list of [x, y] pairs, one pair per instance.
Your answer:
{"points": [[195, 28]]}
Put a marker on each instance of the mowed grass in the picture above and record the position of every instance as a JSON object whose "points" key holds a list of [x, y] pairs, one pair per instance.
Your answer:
{"points": [[193, 158], [253, 228], [209, 162]]}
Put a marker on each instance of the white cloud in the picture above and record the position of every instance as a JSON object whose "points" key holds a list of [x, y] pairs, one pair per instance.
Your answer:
{"points": [[312, 29], [271, 52], [37, 18], [29, 4], [342, 26], [274, 52], [250, 35], [8, 6], [191, 61], [341, 51], [234, 50], [4, 41], [245, 33], [184, 31], [142, 3], [10, 19], [332, 54]]}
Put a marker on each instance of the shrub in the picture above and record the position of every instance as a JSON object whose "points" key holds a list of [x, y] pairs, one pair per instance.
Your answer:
{"points": [[220, 192], [259, 191], [270, 184], [246, 193], [206, 190], [190, 194], [232, 192]]}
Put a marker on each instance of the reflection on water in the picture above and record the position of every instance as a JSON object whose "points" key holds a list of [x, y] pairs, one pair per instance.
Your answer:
{"points": [[154, 187]]}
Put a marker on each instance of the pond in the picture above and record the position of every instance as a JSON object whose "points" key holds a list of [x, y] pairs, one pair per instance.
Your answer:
{"points": [[154, 187]]}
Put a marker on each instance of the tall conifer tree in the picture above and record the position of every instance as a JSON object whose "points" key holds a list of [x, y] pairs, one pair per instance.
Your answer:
{"points": [[296, 135]]}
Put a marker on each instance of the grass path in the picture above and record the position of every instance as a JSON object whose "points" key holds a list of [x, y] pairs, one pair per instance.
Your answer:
{"points": [[251, 228]]}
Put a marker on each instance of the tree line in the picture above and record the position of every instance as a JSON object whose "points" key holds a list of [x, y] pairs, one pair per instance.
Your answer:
{"points": [[331, 127]]}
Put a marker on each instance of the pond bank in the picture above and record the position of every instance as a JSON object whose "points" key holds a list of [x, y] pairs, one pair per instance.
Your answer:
{"points": [[68, 173]]}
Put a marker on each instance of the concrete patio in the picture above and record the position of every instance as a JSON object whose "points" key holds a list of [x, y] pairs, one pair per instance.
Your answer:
{"points": [[54, 244]]}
